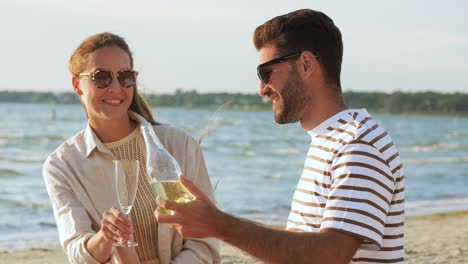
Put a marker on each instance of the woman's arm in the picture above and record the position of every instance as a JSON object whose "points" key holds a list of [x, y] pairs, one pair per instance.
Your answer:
{"points": [[99, 247], [81, 243], [115, 226]]}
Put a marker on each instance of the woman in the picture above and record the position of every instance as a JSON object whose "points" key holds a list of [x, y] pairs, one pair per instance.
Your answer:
{"points": [[79, 173]]}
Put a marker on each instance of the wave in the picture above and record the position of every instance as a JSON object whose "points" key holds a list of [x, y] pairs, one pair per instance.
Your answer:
{"points": [[230, 122], [428, 207], [434, 146], [285, 152], [292, 163], [277, 152], [269, 219], [403, 132], [22, 159], [48, 224], [457, 133], [32, 139], [248, 154], [430, 147], [239, 145], [437, 160], [29, 240], [276, 176], [25, 204], [9, 172]]}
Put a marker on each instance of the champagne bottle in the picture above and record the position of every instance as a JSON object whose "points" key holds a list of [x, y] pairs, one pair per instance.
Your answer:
{"points": [[163, 170]]}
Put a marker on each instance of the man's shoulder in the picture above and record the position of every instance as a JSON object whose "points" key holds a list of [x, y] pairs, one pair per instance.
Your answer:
{"points": [[364, 140], [358, 132], [360, 126]]}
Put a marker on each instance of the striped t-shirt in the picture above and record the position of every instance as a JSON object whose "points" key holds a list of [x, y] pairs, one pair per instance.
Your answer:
{"points": [[353, 182]]}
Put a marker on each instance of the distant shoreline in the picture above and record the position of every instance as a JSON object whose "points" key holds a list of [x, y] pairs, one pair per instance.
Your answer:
{"points": [[265, 108], [418, 103]]}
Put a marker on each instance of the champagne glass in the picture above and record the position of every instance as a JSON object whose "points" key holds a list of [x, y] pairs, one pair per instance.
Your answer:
{"points": [[126, 184], [163, 171]]}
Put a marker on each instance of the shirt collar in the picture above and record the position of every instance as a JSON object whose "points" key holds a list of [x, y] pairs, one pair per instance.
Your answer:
{"points": [[322, 128], [92, 141]]}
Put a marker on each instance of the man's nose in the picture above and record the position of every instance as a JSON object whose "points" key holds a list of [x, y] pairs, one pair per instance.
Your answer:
{"points": [[263, 89]]}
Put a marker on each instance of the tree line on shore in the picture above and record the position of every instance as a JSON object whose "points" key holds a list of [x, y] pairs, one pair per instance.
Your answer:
{"points": [[379, 102]]}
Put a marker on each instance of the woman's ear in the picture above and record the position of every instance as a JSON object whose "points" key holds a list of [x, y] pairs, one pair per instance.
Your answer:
{"points": [[76, 85]]}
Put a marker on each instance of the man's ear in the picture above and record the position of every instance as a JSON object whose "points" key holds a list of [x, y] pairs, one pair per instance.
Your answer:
{"points": [[308, 63], [76, 85]]}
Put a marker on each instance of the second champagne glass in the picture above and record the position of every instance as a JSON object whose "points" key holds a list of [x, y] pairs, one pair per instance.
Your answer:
{"points": [[126, 183]]}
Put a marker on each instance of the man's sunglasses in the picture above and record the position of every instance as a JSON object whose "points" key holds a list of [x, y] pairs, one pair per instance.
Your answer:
{"points": [[265, 74], [103, 78]]}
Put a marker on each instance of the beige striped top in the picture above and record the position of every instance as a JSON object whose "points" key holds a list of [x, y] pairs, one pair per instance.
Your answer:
{"points": [[132, 147], [353, 182]]}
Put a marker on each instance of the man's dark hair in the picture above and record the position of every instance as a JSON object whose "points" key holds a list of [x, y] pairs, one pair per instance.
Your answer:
{"points": [[305, 30]]}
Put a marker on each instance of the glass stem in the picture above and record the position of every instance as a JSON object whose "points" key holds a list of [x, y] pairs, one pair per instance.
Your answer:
{"points": [[128, 215]]}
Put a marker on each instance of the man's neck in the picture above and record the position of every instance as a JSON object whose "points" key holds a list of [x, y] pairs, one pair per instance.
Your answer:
{"points": [[322, 109]]}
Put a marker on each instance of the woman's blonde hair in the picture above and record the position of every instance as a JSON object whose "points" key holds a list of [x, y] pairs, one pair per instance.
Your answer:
{"points": [[79, 60]]}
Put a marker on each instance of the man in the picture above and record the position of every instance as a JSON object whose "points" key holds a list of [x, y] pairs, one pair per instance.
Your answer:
{"points": [[349, 203]]}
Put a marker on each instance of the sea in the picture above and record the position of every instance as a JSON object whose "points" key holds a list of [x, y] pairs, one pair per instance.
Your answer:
{"points": [[254, 163]]}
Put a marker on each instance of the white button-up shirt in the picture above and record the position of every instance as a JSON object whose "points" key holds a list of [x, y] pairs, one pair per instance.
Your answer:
{"points": [[79, 179]]}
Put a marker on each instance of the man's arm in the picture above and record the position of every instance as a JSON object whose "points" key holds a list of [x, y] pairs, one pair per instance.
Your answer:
{"points": [[201, 218], [275, 246]]}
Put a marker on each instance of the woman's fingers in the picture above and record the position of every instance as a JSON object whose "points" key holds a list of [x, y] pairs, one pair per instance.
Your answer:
{"points": [[121, 216], [119, 234], [116, 225], [112, 233]]}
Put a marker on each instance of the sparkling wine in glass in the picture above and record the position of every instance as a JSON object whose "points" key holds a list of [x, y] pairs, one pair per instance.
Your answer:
{"points": [[126, 183]]}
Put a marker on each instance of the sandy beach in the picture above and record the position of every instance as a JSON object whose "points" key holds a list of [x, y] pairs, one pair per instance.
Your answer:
{"points": [[440, 238]]}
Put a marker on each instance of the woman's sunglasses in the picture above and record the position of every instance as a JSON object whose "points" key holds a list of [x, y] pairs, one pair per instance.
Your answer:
{"points": [[103, 78]]}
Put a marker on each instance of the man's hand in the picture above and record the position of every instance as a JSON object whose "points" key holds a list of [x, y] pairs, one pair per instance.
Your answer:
{"points": [[198, 219]]}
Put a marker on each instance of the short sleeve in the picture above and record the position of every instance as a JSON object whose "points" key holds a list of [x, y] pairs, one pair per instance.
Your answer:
{"points": [[360, 194]]}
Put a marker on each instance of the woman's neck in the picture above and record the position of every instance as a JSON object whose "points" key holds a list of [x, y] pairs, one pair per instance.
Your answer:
{"points": [[112, 130]]}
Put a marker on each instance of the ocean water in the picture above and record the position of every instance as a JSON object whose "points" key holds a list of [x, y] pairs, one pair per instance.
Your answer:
{"points": [[254, 163]]}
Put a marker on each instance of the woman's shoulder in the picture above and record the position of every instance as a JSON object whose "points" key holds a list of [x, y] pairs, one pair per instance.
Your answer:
{"points": [[169, 131], [71, 147], [171, 136]]}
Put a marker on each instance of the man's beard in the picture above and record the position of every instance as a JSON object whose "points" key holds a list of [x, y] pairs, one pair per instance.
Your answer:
{"points": [[294, 99]]}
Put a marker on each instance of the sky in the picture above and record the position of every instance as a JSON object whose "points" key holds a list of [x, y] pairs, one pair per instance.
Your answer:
{"points": [[206, 45]]}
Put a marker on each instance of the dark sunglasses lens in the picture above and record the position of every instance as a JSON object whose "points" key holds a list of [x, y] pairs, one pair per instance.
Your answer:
{"points": [[102, 79], [127, 78], [264, 75]]}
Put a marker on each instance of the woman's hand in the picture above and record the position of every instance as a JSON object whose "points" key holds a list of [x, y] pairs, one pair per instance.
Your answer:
{"points": [[116, 226]]}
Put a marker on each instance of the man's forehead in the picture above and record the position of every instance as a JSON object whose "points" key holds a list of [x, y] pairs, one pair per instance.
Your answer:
{"points": [[267, 53]]}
